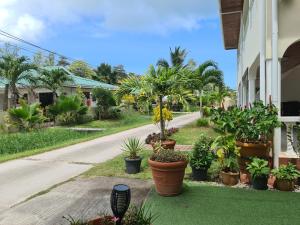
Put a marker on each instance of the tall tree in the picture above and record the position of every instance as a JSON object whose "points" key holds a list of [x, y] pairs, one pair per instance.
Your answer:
{"points": [[177, 58], [13, 69], [82, 69], [53, 80], [120, 73], [63, 61], [38, 59], [105, 74], [50, 60]]}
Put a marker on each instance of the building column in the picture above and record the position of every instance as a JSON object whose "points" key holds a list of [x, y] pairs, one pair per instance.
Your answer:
{"points": [[244, 89], [251, 88]]}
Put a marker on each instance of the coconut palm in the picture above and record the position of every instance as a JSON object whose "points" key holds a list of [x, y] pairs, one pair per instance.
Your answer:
{"points": [[53, 79], [177, 58], [14, 69]]}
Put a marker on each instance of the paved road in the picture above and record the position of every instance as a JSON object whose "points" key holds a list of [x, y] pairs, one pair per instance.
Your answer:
{"points": [[22, 178]]}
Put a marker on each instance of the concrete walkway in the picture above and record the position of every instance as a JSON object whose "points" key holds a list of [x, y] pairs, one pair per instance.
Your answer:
{"points": [[22, 178]]}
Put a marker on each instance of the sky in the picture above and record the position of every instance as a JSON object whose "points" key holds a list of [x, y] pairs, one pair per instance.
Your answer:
{"points": [[134, 33]]}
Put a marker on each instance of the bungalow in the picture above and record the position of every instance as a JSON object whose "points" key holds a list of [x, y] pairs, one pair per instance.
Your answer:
{"points": [[45, 96], [266, 35]]}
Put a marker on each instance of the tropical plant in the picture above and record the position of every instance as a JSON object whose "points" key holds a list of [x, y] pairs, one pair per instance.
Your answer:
{"points": [[202, 156], [167, 116], [82, 69], [202, 122], [14, 69], [26, 117], [286, 172], [105, 73], [177, 58], [53, 79], [225, 149], [161, 154], [138, 216], [105, 100], [258, 168], [132, 147]]}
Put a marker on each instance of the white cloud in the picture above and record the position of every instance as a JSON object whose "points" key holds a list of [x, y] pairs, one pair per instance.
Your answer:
{"points": [[30, 18]]}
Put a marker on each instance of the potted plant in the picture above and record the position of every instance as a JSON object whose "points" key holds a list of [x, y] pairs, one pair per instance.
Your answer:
{"points": [[259, 170], [133, 146], [227, 153], [168, 168], [286, 176], [201, 158]]}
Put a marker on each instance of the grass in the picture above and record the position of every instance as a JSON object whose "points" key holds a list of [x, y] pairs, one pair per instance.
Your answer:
{"points": [[190, 133], [17, 145], [203, 204]]}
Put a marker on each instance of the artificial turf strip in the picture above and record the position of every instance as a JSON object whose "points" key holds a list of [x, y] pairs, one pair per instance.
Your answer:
{"points": [[208, 205]]}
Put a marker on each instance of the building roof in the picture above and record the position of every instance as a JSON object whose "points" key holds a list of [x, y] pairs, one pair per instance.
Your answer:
{"points": [[76, 80], [231, 12]]}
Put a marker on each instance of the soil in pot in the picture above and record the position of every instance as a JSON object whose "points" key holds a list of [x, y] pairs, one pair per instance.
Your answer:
{"points": [[199, 174], [133, 166], [168, 177], [229, 178], [285, 185], [260, 183], [167, 144]]}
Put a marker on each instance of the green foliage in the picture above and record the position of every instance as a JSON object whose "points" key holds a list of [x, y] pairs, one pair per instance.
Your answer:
{"points": [[203, 122], [167, 155], [105, 73], [258, 168], [139, 216], [227, 152], [26, 117], [252, 125], [286, 172], [132, 147], [68, 109], [105, 100], [207, 111], [202, 156], [82, 69]]}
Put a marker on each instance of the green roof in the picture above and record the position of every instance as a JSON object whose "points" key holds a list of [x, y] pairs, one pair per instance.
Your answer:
{"points": [[76, 80]]}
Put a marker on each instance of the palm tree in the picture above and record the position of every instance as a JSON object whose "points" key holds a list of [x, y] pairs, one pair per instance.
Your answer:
{"points": [[206, 73], [53, 79], [177, 58], [14, 69]]}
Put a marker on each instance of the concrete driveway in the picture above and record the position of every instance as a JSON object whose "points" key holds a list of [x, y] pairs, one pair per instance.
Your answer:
{"points": [[22, 178]]}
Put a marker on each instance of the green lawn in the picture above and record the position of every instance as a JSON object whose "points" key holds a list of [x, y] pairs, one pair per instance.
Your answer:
{"points": [[19, 145], [189, 134], [208, 205]]}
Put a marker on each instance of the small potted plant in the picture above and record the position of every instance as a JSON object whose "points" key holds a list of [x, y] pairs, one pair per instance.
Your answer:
{"points": [[133, 146], [227, 153], [286, 176], [168, 168], [259, 170], [201, 158]]}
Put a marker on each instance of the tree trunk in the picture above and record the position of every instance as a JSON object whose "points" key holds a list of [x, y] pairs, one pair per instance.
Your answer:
{"points": [[162, 124], [200, 100], [5, 97], [14, 95]]}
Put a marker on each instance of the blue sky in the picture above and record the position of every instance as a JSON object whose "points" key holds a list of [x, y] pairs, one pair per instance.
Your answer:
{"points": [[134, 33]]}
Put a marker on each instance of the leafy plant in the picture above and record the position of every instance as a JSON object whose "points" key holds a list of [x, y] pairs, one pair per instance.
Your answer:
{"points": [[161, 154], [202, 156], [286, 172], [258, 168], [105, 100], [138, 216], [227, 152], [166, 115], [203, 122], [26, 117], [155, 137], [133, 146]]}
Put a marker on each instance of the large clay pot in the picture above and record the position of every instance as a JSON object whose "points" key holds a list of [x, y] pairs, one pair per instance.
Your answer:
{"points": [[166, 144], [285, 185], [229, 178], [107, 220], [168, 177], [249, 150]]}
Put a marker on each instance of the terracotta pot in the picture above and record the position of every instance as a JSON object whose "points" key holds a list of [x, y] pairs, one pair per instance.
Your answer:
{"points": [[285, 185], [102, 221], [168, 177], [248, 150], [229, 178], [166, 144]]}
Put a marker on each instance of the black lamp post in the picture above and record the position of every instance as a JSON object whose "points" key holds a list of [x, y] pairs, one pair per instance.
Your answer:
{"points": [[119, 201]]}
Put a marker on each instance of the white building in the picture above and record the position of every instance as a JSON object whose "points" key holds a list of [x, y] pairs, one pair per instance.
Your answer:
{"points": [[266, 35]]}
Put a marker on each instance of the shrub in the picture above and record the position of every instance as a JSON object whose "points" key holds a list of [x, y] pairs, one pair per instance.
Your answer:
{"points": [[138, 216], [132, 146], [207, 111], [155, 137], [286, 172], [203, 122], [114, 112], [105, 100], [258, 168], [167, 155], [26, 117], [202, 156]]}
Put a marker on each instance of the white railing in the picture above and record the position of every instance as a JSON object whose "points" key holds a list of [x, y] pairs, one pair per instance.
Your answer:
{"points": [[289, 135]]}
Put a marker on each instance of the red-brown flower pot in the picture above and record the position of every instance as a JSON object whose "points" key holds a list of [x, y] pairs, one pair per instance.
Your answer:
{"points": [[229, 178], [166, 144]]}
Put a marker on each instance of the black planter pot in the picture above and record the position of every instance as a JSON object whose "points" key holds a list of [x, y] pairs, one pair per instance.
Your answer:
{"points": [[199, 174], [133, 166], [260, 183]]}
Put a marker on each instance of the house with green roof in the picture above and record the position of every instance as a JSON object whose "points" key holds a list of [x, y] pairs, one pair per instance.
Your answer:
{"points": [[45, 96]]}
